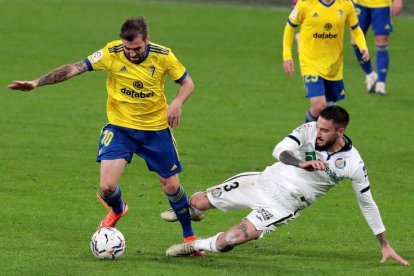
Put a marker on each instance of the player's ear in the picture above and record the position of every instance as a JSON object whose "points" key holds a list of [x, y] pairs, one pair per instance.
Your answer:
{"points": [[341, 131], [147, 40]]}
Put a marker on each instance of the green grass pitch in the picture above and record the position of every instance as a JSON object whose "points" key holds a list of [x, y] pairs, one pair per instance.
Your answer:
{"points": [[242, 106]]}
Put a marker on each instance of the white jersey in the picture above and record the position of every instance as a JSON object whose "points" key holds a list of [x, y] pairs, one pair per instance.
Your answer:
{"points": [[307, 186]]}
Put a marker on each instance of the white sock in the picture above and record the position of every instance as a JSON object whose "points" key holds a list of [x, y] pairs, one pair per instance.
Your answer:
{"points": [[208, 244]]}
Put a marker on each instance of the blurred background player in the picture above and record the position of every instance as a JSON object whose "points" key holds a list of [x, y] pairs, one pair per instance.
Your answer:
{"points": [[314, 158], [138, 115], [321, 61], [378, 14]]}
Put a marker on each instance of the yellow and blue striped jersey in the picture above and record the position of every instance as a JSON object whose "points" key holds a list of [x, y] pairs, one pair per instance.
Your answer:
{"points": [[374, 3], [321, 36], [136, 96]]}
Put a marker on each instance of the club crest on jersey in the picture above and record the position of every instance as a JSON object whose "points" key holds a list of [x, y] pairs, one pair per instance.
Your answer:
{"points": [[95, 57], [216, 192], [340, 13], [340, 163]]}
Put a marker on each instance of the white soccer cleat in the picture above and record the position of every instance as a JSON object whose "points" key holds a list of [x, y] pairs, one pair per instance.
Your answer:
{"points": [[170, 216], [380, 88], [370, 81], [181, 250]]}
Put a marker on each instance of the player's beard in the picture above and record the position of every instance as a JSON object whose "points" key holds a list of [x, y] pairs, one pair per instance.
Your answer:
{"points": [[138, 60], [327, 145]]}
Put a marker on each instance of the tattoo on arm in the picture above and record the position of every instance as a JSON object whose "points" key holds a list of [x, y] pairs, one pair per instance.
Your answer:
{"points": [[63, 73], [81, 66], [243, 228], [287, 157]]}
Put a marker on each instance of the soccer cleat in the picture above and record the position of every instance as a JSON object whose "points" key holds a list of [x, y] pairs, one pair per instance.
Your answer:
{"points": [[380, 88], [170, 216], [111, 218], [370, 81], [191, 240], [181, 250]]}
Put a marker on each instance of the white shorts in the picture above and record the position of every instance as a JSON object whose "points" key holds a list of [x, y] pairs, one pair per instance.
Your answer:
{"points": [[270, 208]]}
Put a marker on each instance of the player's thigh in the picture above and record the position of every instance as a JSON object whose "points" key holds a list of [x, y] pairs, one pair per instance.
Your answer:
{"points": [[115, 143], [364, 17], [159, 151], [381, 21], [237, 192]]}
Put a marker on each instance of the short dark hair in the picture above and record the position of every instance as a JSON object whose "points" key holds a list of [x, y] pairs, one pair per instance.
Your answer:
{"points": [[337, 114], [133, 28]]}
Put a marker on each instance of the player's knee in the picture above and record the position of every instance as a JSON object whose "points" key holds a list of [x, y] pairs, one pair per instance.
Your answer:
{"points": [[200, 201], [381, 40], [169, 185]]}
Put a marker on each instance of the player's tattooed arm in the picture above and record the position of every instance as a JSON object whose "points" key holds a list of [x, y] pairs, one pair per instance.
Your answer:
{"points": [[63, 73], [287, 157], [243, 228]]}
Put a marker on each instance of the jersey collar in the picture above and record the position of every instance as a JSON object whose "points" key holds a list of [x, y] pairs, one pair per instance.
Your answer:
{"points": [[147, 50], [327, 5], [346, 147]]}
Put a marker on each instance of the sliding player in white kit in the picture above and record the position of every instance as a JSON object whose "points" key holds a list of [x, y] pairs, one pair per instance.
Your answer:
{"points": [[314, 158]]}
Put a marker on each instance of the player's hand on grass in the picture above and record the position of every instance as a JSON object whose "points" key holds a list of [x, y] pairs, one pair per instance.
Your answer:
{"points": [[388, 252], [22, 85], [288, 67]]}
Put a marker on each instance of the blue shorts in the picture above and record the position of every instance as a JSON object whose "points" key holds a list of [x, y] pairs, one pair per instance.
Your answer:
{"points": [[380, 18], [157, 148], [317, 86]]}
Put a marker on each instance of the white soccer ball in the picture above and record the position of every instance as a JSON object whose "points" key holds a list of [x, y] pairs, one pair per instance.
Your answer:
{"points": [[107, 243]]}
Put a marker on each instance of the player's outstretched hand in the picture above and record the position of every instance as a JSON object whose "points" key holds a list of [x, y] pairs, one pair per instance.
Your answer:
{"points": [[22, 85], [388, 252]]}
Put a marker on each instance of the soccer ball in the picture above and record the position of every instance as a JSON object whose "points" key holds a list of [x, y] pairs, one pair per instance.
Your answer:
{"points": [[107, 243]]}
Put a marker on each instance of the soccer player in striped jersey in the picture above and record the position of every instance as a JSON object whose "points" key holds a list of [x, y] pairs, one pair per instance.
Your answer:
{"points": [[139, 119], [321, 52], [314, 158], [376, 13]]}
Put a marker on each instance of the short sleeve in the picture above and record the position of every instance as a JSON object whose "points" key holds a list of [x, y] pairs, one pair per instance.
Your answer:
{"points": [[175, 69], [100, 60]]}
